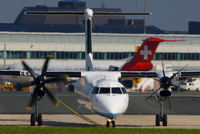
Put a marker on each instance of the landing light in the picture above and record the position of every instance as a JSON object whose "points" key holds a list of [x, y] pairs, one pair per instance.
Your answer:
{"points": [[110, 120]]}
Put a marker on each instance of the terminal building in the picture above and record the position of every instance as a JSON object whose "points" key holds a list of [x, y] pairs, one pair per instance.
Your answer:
{"points": [[115, 38], [71, 46], [76, 23]]}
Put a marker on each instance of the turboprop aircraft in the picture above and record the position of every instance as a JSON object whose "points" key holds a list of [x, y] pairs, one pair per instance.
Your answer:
{"points": [[107, 95], [101, 88]]}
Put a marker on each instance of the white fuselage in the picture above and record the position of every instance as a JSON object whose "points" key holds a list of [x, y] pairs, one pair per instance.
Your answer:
{"points": [[107, 96]]}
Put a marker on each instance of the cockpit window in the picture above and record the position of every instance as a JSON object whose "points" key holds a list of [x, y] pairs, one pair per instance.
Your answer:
{"points": [[108, 90], [104, 90], [116, 90], [124, 90], [95, 90]]}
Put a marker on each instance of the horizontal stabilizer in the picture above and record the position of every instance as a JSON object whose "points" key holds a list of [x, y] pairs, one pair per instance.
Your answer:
{"points": [[82, 13], [160, 40]]}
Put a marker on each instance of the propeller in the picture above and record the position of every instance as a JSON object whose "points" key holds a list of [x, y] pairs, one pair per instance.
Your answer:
{"points": [[166, 82], [39, 81]]}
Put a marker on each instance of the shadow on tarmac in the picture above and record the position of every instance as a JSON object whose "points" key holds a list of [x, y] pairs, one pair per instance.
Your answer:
{"points": [[65, 124]]}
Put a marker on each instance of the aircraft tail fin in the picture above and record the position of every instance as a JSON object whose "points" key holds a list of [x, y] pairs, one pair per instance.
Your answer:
{"points": [[143, 57], [88, 44]]}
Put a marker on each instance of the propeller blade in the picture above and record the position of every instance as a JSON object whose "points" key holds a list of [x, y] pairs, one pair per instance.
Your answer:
{"points": [[51, 96], [163, 69], [178, 71], [55, 80], [28, 68], [45, 66], [153, 93]]}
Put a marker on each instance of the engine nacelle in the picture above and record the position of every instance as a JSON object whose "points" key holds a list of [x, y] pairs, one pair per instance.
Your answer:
{"points": [[165, 93]]}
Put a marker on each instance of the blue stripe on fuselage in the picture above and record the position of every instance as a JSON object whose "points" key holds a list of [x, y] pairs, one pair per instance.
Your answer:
{"points": [[110, 115]]}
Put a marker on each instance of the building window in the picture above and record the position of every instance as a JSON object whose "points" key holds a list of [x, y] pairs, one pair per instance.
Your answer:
{"points": [[1, 54], [96, 55]]}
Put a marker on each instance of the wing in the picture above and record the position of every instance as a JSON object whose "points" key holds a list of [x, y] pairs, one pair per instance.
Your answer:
{"points": [[14, 75], [189, 74], [10, 72], [154, 74], [64, 73], [124, 74], [139, 74], [21, 75]]}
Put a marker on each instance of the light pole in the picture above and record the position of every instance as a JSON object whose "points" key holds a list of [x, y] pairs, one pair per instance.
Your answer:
{"points": [[4, 56], [144, 17]]}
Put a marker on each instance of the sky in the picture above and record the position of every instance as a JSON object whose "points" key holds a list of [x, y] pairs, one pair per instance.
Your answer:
{"points": [[171, 15]]}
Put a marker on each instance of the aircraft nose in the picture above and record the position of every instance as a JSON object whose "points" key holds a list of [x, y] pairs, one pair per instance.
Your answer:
{"points": [[113, 105], [113, 109]]}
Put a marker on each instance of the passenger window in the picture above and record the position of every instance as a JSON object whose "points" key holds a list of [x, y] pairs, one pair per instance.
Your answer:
{"points": [[95, 90], [104, 90], [124, 90], [116, 90]]}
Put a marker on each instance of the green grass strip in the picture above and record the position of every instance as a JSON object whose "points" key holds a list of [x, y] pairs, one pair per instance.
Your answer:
{"points": [[92, 130]]}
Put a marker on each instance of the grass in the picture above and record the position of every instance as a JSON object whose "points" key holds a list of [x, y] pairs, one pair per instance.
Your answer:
{"points": [[92, 130]]}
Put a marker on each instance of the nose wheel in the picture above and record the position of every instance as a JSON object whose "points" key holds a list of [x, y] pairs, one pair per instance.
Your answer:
{"points": [[109, 122]]}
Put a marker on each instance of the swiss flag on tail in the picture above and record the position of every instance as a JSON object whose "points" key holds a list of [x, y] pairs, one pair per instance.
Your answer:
{"points": [[142, 59]]}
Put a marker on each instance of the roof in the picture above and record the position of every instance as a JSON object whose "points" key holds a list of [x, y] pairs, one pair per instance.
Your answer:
{"points": [[64, 19]]}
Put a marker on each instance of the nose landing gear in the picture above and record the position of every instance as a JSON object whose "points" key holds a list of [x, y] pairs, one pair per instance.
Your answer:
{"points": [[110, 121]]}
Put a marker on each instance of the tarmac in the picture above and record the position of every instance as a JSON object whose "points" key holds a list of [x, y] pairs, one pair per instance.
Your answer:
{"points": [[123, 121], [182, 104], [140, 113]]}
